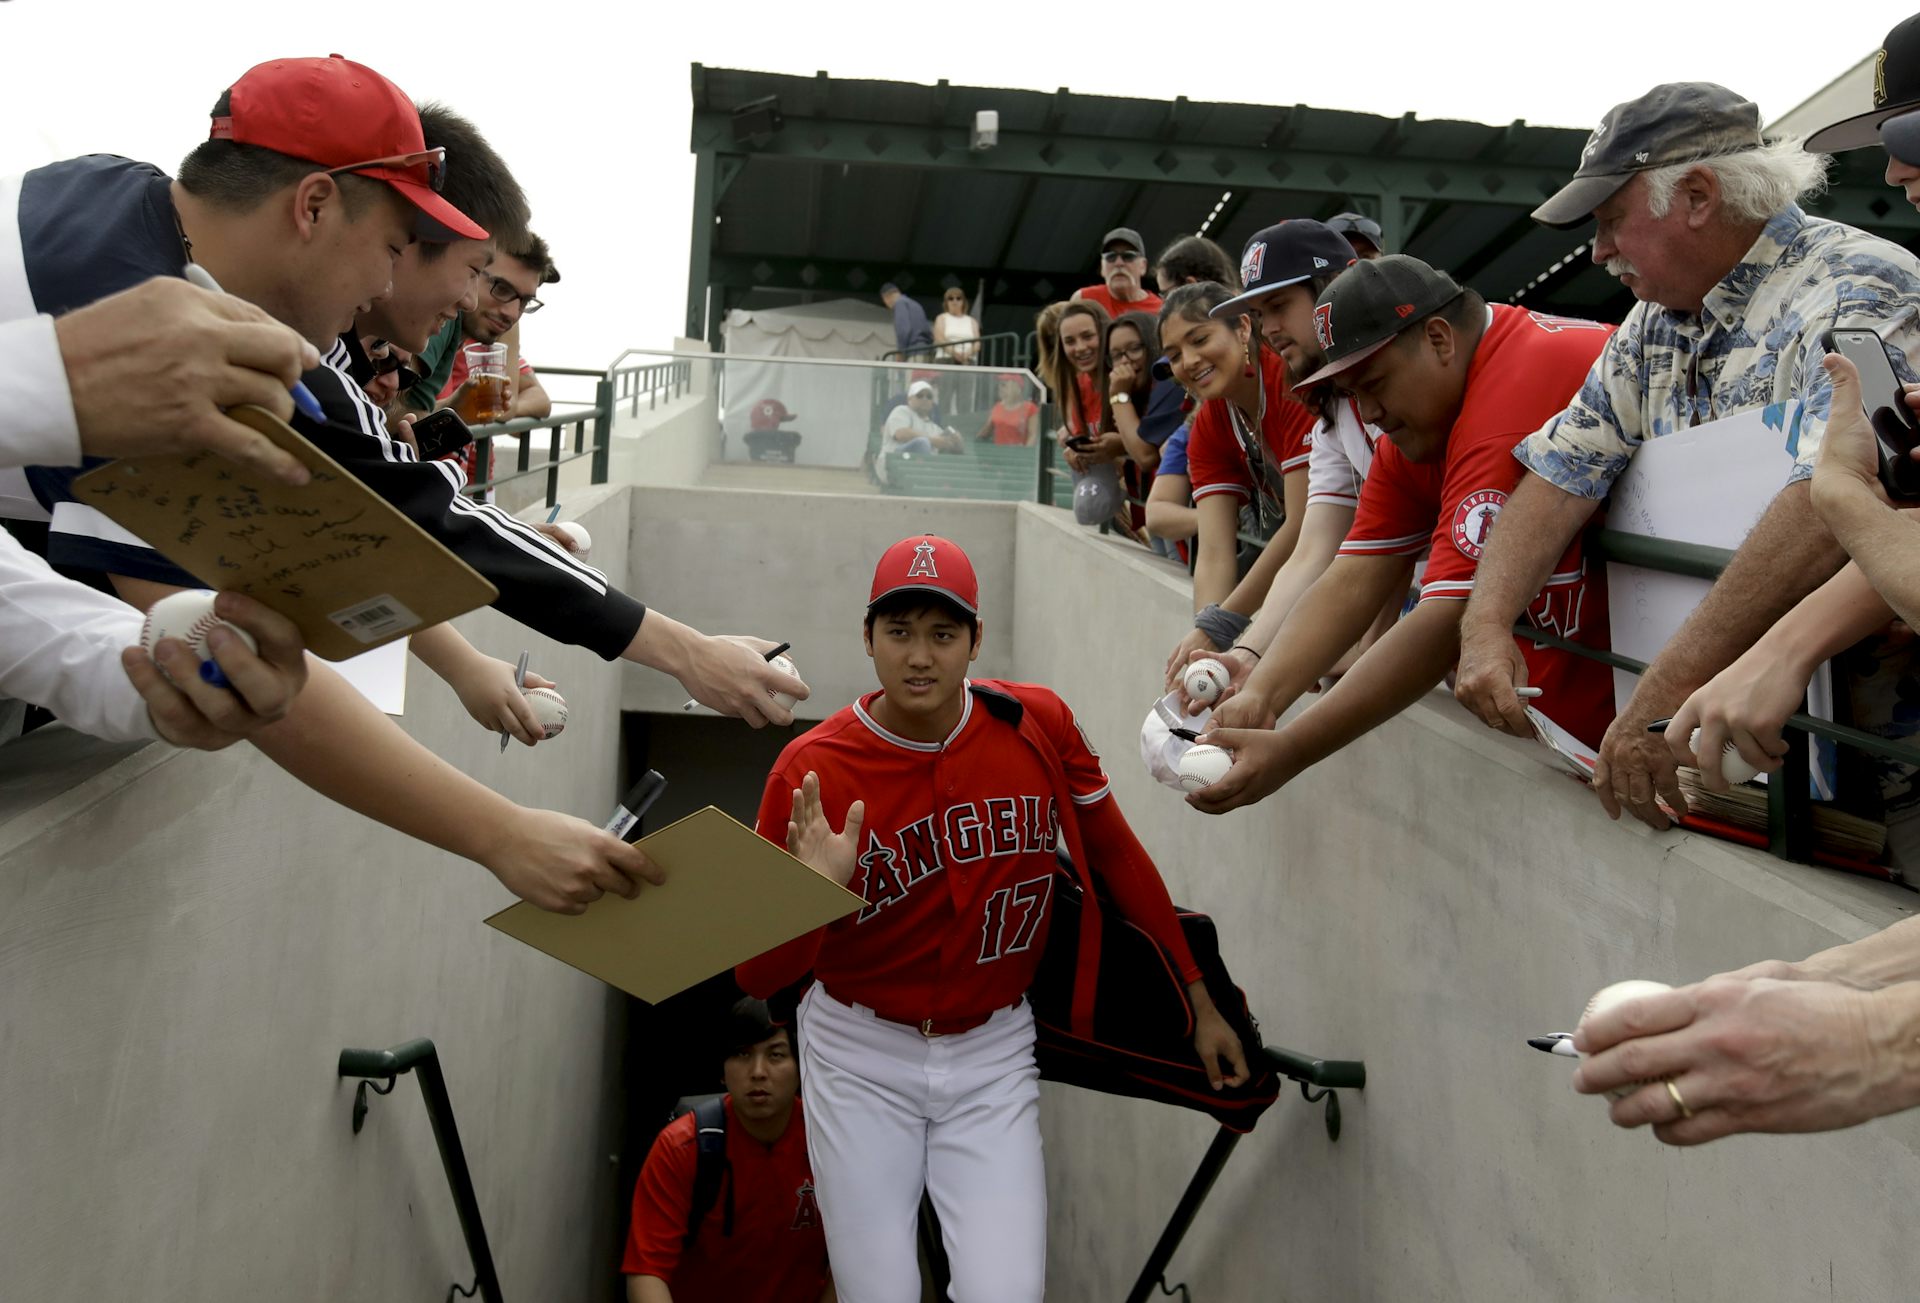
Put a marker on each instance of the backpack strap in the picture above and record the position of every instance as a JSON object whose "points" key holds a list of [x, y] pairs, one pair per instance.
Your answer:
{"points": [[711, 1169], [1008, 709]]}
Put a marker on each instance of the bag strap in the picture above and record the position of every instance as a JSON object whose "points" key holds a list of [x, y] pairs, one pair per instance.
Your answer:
{"points": [[711, 1170], [1008, 709]]}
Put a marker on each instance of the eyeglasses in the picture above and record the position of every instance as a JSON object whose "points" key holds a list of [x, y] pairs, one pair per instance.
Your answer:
{"points": [[504, 292], [434, 160], [1122, 255]]}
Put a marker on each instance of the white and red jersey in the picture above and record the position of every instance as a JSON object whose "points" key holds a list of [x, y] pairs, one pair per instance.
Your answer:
{"points": [[1341, 455], [956, 862], [1526, 369], [1217, 459]]}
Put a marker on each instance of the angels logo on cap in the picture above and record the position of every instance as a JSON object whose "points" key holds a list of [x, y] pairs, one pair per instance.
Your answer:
{"points": [[1323, 324], [1473, 521], [1251, 261], [927, 564]]}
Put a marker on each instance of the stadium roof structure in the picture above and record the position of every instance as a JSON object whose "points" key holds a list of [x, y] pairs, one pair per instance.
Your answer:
{"points": [[818, 186]]}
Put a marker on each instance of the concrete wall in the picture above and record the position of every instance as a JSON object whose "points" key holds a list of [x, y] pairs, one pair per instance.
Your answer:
{"points": [[672, 440], [187, 941], [1424, 902]]}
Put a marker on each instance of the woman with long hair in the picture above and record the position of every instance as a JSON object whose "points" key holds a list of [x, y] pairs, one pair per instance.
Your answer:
{"points": [[955, 331], [1248, 446]]}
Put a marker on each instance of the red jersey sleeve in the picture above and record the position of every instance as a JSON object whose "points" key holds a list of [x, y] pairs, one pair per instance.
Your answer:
{"points": [[1293, 424], [662, 1198], [1215, 463], [781, 967], [1478, 478], [1395, 515]]}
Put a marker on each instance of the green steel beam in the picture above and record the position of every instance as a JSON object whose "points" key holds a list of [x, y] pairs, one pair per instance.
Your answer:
{"points": [[1412, 178], [700, 246]]}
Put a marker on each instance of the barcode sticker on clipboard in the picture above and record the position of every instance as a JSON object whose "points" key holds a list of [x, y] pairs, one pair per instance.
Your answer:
{"points": [[375, 618]]}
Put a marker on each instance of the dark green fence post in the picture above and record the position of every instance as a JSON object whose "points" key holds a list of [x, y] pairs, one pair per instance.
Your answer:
{"points": [[602, 429]]}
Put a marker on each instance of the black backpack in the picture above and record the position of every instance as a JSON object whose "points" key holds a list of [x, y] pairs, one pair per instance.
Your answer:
{"points": [[711, 1169]]}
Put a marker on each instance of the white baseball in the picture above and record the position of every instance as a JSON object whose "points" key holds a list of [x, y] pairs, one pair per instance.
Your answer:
{"points": [[1619, 993], [1733, 766], [189, 617], [1206, 679], [785, 666], [550, 708], [582, 540], [1203, 766]]}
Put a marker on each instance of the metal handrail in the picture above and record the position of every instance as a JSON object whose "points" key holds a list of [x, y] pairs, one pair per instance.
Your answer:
{"points": [[1002, 344], [600, 416], [421, 1059]]}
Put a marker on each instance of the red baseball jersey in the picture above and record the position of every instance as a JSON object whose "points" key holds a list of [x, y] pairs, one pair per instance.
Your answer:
{"points": [[956, 863], [777, 1252], [1526, 369], [1113, 307], [1216, 457]]}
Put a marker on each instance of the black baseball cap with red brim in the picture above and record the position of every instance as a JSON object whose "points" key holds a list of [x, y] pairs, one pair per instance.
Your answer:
{"points": [[1894, 119], [1371, 302], [344, 117]]}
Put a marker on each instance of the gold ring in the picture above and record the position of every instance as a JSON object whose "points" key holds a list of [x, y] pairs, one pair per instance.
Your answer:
{"points": [[1678, 1103]]}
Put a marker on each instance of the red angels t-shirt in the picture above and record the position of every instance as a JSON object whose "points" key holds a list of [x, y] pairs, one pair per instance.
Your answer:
{"points": [[956, 861], [1216, 456], [1114, 307], [1527, 368], [1010, 423], [777, 1252]]}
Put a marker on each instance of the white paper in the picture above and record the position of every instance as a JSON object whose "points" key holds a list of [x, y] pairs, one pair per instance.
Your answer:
{"points": [[380, 675]]}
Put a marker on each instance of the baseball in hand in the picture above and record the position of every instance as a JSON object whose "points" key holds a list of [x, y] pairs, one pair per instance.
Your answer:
{"points": [[1619, 993], [1205, 680], [550, 708], [1203, 765], [582, 540], [785, 666], [189, 617], [1733, 766]]}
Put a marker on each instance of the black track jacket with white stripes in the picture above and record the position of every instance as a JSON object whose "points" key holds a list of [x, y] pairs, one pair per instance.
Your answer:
{"points": [[74, 232]]}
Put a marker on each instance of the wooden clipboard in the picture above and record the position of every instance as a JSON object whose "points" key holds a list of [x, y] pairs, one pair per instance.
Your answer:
{"points": [[332, 555], [730, 894]]}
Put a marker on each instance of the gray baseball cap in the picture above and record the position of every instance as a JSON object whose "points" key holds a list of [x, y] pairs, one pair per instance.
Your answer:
{"points": [[1124, 234], [1358, 224], [1681, 122]]}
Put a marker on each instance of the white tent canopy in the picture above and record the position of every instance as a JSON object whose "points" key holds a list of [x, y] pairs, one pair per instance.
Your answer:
{"points": [[833, 405]]}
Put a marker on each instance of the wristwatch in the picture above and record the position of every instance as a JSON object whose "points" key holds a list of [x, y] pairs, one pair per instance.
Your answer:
{"points": [[1123, 399]]}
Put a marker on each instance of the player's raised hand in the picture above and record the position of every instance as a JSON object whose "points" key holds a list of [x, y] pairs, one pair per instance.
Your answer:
{"points": [[1217, 1044], [564, 864], [812, 840]]}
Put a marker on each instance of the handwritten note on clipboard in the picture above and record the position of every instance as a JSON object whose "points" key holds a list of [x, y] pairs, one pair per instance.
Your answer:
{"points": [[333, 556], [730, 894]]}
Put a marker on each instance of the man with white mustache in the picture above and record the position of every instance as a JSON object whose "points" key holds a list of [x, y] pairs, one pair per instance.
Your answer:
{"points": [[1698, 215]]}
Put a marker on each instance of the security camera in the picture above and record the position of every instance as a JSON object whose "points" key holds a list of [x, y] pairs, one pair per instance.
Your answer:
{"points": [[986, 129]]}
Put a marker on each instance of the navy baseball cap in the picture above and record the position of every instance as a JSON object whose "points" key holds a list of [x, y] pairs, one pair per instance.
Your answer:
{"points": [[1680, 122], [1896, 96], [1286, 253], [1370, 303]]}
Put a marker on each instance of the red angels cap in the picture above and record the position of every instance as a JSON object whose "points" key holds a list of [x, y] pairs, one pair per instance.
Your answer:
{"points": [[928, 565], [344, 117]]}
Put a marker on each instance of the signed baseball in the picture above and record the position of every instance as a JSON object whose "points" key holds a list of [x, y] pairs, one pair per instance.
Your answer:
{"points": [[582, 540], [189, 617], [550, 708], [1203, 766], [1733, 766], [1205, 680]]}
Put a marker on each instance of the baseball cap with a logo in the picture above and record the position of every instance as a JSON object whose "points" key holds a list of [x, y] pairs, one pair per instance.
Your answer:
{"points": [[344, 117], [927, 564], [1286, 253], [1895, 116], [1681, 122], [1370, 303]]}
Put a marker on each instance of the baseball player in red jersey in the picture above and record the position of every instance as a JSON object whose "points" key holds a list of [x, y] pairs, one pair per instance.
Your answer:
{"points": [[1454, 384], [1249, 444], [915, 1038]]}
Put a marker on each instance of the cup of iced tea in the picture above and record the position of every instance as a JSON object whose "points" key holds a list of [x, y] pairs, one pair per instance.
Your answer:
{"points": [[487, 400]]}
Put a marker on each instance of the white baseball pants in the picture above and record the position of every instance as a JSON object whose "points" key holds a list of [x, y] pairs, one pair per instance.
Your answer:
{"points": [[891, 1113]]}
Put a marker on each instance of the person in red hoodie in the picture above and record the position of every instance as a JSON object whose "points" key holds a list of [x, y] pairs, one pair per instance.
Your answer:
{"points": [[916, 1040]]}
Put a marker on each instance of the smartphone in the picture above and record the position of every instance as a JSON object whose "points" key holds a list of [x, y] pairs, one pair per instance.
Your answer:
{"points": [[440, 434], [1896, 431], [1080, 442]]}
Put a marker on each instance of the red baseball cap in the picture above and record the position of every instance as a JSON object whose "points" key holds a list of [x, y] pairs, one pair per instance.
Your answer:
{"points": [[342, 115], [927, 564]]}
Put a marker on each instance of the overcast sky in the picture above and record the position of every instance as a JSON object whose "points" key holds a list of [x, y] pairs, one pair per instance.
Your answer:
{"points": [[589, 103]]}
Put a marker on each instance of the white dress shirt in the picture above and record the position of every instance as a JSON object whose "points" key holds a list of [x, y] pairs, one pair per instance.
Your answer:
{"points": [[59, 641]]}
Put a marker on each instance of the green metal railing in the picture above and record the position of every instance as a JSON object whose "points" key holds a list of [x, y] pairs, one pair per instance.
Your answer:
{"points": [[598, 418], [1001, 349], [656, 381]]}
